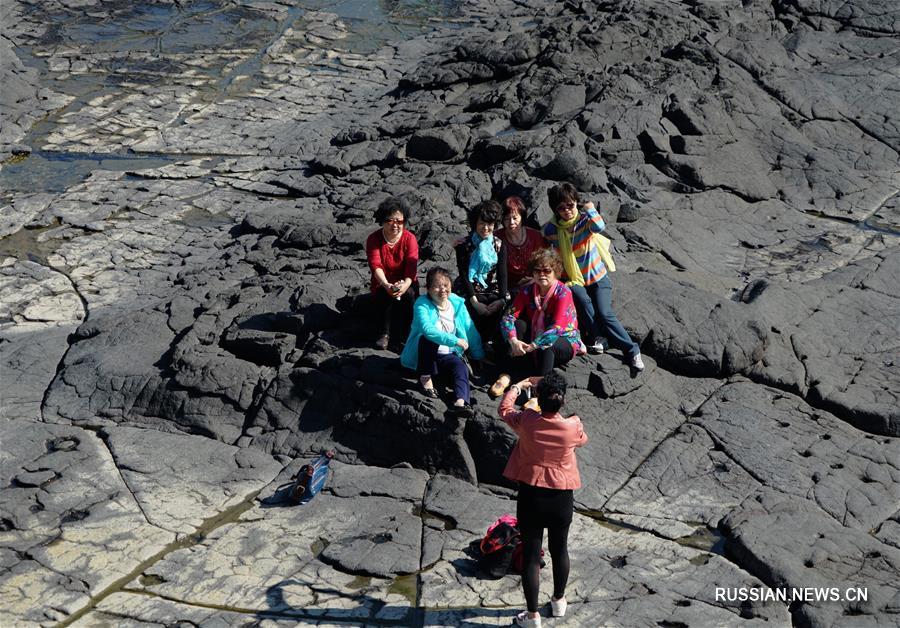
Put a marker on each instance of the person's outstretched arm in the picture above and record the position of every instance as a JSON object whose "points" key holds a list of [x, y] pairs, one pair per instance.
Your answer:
{"points": [[594, 221]]}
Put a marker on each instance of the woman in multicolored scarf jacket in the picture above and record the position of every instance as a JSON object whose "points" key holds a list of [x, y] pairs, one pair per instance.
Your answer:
{"points": [[572, 233], [542, 321], [481, 261]]}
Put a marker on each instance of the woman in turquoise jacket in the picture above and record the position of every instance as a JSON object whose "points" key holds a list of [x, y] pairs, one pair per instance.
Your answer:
{"points": [[442, 331]]}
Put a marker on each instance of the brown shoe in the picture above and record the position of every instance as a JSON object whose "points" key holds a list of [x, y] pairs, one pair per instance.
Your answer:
{"points": [[499, 386], [382, 343]]}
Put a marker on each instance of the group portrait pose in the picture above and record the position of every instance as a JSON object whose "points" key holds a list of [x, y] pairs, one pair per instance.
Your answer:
{"points": [[529, 301]]}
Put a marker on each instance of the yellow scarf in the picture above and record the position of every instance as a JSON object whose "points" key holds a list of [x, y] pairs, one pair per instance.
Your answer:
{"points": [[570, 264]]}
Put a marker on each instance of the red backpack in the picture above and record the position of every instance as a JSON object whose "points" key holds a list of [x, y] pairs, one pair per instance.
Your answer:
{"points": [[501, 548]]}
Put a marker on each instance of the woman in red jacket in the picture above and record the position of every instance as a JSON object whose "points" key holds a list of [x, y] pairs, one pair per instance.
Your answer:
{"points": [[521, 242], [393, 255], [543, 463]]}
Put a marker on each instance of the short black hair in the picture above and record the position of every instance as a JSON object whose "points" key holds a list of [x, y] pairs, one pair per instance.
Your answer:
{"points": [[436, 272], [551, 392], [563, 193], [486, 211], [390, 205]]}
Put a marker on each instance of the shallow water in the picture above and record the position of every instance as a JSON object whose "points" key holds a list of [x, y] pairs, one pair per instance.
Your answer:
{"points": [[152, 43]]}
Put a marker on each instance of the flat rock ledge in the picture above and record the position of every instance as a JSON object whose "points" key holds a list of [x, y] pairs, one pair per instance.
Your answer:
{"points": [[183, 324]]}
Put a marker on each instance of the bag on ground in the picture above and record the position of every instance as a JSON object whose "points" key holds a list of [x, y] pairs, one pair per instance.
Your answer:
{"points": [[310, 479], [498, 546]]}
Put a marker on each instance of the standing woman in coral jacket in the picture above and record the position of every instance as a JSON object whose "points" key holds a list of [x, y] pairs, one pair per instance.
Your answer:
{"points": [[543, 463], [393, 255]]}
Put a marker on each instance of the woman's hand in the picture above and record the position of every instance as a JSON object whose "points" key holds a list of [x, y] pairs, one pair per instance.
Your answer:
{"points": [[462, 342], [401, 287], [517, 347], [528, 382]]}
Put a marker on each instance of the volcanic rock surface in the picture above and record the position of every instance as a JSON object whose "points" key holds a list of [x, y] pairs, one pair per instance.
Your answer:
{"points": [[183, 321]]}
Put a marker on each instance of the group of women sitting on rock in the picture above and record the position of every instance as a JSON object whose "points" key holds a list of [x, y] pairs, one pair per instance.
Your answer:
{"points": [[538, 298]]}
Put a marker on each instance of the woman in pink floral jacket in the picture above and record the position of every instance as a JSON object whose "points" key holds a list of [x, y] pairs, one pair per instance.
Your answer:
{"points": [[542, 320]]}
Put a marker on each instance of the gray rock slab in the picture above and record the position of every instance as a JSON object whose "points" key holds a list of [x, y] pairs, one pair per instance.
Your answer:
{"points": [[789, 542], [71, 535], [270, 560], [180, 480], [791, 448], [687, 479]]}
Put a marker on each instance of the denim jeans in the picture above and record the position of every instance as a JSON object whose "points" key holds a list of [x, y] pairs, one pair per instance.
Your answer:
{"points": [[596, 317]]}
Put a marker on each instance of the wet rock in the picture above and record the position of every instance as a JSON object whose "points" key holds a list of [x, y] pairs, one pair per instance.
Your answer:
{"points": [[745, 163], [72, 501]]}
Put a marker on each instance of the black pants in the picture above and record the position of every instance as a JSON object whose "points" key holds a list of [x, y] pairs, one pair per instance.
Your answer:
{"points": [[488, 326], [538, 508], [388, 311], [544, 360]]}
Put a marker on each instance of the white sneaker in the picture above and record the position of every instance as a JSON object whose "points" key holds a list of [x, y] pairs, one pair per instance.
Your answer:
{"points": [[522, 619], [596, 348], [558, 607], [637, 362]]}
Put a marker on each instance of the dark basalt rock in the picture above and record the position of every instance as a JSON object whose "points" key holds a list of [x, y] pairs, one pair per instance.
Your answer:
{"points": [[439, 144], [175, 338]]}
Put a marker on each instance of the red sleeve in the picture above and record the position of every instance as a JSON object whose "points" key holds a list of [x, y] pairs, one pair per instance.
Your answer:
{"points": [[411, 263], [373, 251], [507, 410]]}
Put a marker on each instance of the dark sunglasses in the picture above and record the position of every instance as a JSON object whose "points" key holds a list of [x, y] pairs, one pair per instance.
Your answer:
{"points": [[394, 221], [542, 271]]}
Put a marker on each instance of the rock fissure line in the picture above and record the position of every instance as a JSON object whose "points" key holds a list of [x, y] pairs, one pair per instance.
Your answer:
{"points": [[637, 468], [266, 614], [195, 538], [103, 437]]}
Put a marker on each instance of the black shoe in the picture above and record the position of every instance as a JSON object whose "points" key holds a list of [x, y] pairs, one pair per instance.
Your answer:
{"points": [[431, 393], [462, 411]]}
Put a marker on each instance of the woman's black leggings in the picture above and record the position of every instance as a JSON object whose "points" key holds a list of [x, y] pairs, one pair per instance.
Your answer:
{"points": [[538, 508], [557, 540]]}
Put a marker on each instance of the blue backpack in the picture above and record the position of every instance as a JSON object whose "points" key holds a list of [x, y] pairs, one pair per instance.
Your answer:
{"points": [[310, 479]]}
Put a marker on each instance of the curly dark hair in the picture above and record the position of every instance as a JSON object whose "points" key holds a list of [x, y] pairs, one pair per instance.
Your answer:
{"points": [[390, 205], [485, 211], [551, 392], [436, 272], [563, 193], [542, 258]]}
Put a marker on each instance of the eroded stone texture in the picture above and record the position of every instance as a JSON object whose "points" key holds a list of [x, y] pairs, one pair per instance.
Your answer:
{"points": [[744, 156], [71, 526]]}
